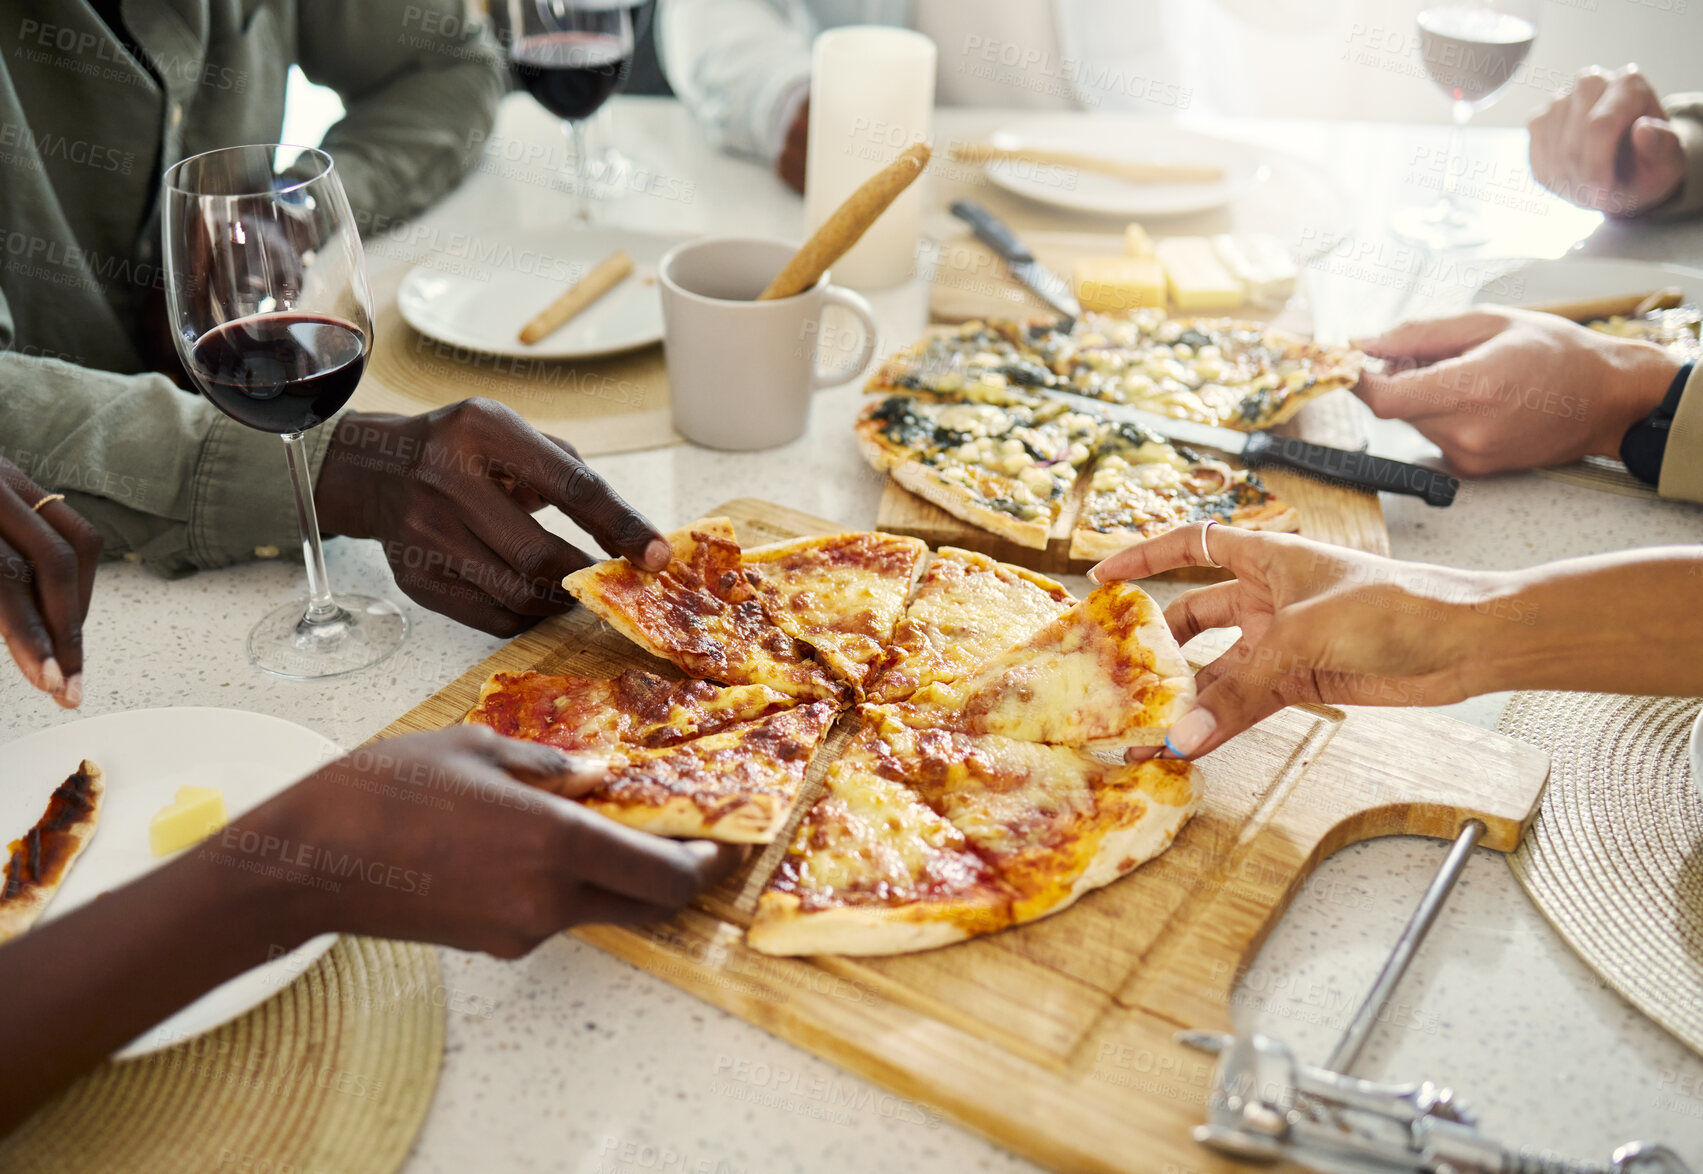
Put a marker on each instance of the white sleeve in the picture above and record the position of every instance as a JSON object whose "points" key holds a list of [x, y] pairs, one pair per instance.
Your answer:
{"points": [[740, 66]]}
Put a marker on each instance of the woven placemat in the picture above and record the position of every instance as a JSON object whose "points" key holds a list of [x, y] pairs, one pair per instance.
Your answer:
{"points": [[1615, 857], [600, 406], [334, 1073], [1602, 473]]}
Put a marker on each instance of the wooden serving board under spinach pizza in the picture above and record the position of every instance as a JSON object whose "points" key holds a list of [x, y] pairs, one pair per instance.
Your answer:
{"points": [[1055, 1039]]}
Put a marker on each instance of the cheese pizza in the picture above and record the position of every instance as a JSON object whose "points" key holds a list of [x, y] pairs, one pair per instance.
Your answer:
{"points": [[701, 613], [967, 608], [1105, 673], [737, 785], [636, 708], [927, 837], [839, 593]]}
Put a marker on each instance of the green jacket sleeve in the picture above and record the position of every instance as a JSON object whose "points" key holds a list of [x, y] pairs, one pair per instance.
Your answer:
{"points": [[420, 84], [159, 472]]}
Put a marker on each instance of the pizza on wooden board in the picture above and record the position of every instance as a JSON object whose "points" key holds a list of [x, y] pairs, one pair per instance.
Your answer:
{"points": [[839, 593], [1008, 470], [39, 861], [928, 837], [701, 613], [737, 785], [636, 708], [1142, 486], [1107, 673]]}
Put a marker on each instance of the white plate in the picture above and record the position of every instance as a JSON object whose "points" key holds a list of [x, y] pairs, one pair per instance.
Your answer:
{"points": [[146, 755], [1131, 140], [1568, 279], [480, 298]]}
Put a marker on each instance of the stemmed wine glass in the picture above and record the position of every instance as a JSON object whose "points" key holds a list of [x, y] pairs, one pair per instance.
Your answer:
{"points": [[266, 293], [1472, 49], [570, 55]]}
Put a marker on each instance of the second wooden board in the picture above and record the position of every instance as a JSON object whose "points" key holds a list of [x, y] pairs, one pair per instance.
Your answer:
{"points": [[1329, 512]]}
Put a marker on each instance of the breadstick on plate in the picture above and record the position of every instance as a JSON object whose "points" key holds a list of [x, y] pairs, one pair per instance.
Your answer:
{"points": [[1116, 168], [607, 274], [847, 224]]}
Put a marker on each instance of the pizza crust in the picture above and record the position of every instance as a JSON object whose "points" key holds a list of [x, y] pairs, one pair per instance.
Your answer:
{"points": [[80, 798], [1096, 545], [783, 926], [961, 502], [756, 819]]}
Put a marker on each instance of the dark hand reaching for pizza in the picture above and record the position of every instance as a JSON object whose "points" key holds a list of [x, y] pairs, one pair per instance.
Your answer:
{"points": [[428, 837], [1502, 389], [450, 494], [47, 576], [1326, 624]]}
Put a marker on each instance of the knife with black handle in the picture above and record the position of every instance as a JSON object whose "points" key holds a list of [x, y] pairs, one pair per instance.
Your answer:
{"points": [[997, 235]]}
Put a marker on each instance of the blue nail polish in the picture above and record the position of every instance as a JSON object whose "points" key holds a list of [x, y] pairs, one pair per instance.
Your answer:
{"points": [[1174, 752]]}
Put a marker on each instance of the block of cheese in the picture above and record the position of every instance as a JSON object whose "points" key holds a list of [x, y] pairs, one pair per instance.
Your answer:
{"points": [[1136, 241], [1196, 278], [195, 814], [1260, 262], [1114, 284]]}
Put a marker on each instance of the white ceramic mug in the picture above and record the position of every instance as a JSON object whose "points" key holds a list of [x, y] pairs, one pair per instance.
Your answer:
{"points": [[741, 372]]}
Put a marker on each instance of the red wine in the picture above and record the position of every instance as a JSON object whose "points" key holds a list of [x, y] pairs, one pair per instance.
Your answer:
{"points": [[280, 372], [571, 74], [1472, 52]]}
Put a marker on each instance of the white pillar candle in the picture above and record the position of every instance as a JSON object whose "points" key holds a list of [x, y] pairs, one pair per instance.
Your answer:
{"points": [[871, 96]]}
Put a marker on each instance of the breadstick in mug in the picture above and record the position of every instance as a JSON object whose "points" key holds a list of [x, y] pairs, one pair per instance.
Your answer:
{"points": [[847, 224]]}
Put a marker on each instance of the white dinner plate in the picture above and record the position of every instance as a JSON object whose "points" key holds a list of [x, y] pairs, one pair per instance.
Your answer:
{"points": [[1132, 140], [146, 755], [481, 296], [1567, 279]]}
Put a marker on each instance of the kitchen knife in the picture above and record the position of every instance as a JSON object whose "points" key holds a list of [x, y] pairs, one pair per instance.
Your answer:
{"points": [[1266, 448], [994, 233]]}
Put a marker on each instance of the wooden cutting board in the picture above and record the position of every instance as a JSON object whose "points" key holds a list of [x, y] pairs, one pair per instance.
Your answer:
{"points": [[1329, 512], [1055, 1039]]}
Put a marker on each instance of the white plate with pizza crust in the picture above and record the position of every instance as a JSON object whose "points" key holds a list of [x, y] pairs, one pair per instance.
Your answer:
{"points": [[1124, 140], [146, 755], [478, 295]]}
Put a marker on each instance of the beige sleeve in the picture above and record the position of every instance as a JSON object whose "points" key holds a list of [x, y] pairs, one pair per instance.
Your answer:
{"points": [[1682, 464], [1686, 113]]}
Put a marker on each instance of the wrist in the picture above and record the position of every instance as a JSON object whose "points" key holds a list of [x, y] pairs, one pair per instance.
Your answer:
{"points": [[1640, 375], [259, 898], [1499, 632], [340, 493]]}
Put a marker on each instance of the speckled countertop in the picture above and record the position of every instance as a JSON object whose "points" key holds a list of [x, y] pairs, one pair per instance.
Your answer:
{"points": [[571, 1061]]}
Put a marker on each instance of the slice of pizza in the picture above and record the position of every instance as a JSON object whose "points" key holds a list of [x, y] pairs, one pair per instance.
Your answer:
{"points": [[875, 870], [38, 864], [1008, 470], [1054, 822], [1141, 486], [1225, 371], [636, 708], [702, 614], [839, 593], [1107, 673], [975, 362], [737, 785], [967, 608]]}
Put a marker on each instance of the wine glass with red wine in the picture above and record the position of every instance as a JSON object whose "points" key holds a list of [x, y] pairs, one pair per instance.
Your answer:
{"points": [[266, 293], [1471, 50], [571, 55]]}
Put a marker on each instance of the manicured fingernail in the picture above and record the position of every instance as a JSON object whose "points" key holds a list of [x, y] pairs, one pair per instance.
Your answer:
{"points": [[1094, 573], [52, 677], [74, 691], [658, 553], [1194, 728]]}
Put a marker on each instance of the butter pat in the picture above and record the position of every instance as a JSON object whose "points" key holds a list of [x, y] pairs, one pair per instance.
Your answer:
{"points": [[1136, 241], [1115, 284], [195, 814], [1260, 262], [1196, 278]]}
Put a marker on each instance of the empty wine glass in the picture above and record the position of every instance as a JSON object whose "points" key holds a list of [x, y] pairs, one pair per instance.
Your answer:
{"points": [[1472, 49], [266, 294]]}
